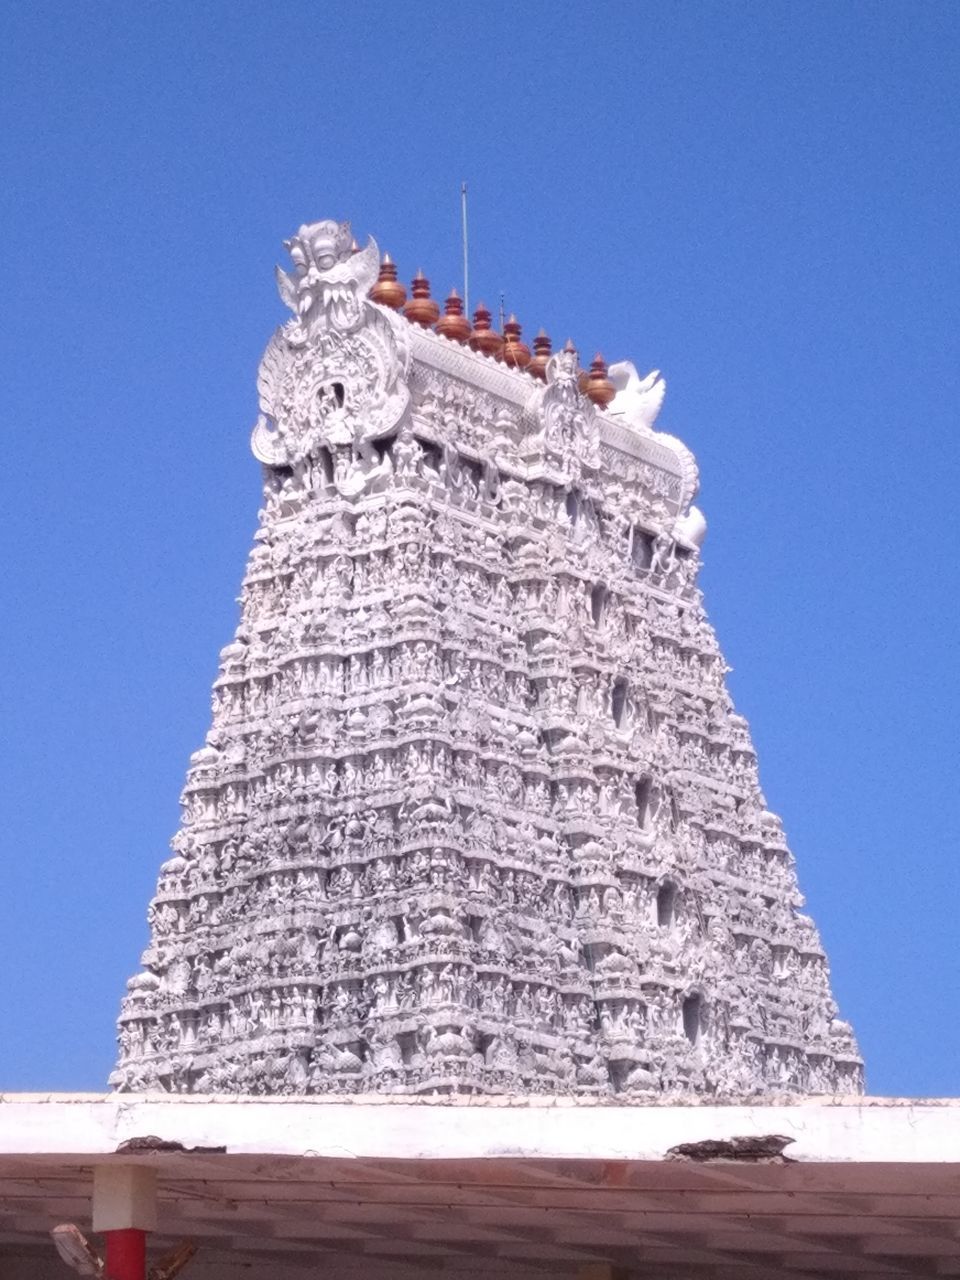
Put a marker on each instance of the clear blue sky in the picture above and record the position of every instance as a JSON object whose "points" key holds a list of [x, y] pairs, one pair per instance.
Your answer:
{"points": [[760, 199]]}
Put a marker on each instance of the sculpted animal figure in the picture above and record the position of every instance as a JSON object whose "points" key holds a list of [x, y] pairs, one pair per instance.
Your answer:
{"points": [[638, 400], [328, 273]]}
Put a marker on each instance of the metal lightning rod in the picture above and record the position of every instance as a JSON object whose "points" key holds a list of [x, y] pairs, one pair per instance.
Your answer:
{"points": [[466, 264]]}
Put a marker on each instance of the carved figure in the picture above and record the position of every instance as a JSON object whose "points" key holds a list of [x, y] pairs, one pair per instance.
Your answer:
{"points": [[638, 400]]}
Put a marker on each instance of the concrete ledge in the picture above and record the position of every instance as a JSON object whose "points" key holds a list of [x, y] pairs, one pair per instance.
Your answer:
{"points": [[834, 1130]]}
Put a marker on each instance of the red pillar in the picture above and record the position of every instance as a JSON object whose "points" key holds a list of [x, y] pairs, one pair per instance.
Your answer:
{"points": [[126, 1254]]}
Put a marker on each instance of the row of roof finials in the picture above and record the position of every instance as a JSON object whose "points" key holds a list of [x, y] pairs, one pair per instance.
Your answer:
{"points": [[509, 347]]}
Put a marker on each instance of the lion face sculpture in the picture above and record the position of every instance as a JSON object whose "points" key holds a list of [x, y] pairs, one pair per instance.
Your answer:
{"points": [[330, 279]]}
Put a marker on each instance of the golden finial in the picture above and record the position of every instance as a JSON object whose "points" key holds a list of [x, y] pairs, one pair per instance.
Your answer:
{"points": [[453, 323], [598, 386], [516, 353], [484, 338], [388, 291], [421, 308], [542, 346]]}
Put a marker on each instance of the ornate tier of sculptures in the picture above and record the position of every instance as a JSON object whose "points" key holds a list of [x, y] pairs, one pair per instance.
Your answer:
{"points": [[475, 813]]}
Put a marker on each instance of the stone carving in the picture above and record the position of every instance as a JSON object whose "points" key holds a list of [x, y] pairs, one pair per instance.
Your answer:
{"points": [[475, 812], [638, 400], [570, 426], [333, 379], [331, 279]]}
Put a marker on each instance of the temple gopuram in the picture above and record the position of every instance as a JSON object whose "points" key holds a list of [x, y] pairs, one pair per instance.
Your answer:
{"points": [[479, 952], [476, 814]]}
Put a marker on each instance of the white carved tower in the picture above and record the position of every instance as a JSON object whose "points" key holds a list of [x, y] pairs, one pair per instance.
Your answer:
{"points": [[475, 813]]}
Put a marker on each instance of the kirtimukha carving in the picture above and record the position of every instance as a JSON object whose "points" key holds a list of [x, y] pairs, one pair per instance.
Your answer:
{"points": [[475, 813]]}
